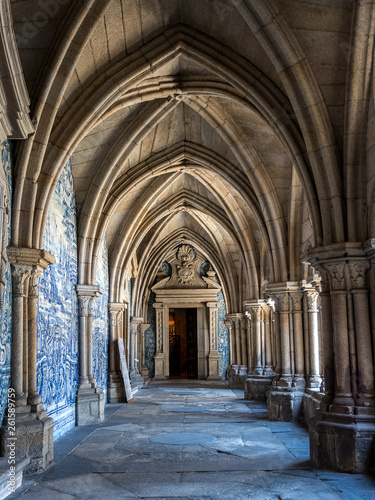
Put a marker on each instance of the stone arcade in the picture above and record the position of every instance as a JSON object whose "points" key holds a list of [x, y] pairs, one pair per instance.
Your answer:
{"points": [[207, 164]]}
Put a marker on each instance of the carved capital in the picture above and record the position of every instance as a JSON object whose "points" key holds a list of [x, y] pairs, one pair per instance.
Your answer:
{"points": [[19, 276], [212, 305], [336, 275], [33, 281], [312, 300], [357, 270], [256, 313], [84, 305], [296, 301], [283, 302], [114, 318]]}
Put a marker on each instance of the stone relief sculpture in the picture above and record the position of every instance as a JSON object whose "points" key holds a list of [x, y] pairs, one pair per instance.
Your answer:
{"points": [[185, 271]]}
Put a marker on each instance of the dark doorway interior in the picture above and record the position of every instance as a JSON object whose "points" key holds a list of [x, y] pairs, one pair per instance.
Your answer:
{"points": [[183, 352]]}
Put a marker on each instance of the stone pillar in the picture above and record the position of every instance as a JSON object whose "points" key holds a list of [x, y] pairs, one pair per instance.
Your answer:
{"points": [[161, 365], [315, 379], [284, 399], [229, 325], [116, 391], [259, 380], [299, 354], [342, 438], [135, 376], [90, 398], [144, 370], [268, 368], [34, 430], [213, 356]]}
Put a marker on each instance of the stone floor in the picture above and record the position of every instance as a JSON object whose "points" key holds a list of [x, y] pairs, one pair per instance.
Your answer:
{"points": [[189, 440]]}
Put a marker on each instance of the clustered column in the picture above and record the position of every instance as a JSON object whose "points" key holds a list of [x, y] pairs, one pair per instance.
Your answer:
{"points": [[27, 265], [342, 435], [261, 363], [297, 345], [90, 398]]}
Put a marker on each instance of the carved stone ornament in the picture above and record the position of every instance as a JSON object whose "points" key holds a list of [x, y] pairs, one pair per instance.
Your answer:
{"points": [[114, 318], [185, 271], [19, 275], [358, 274], [256, 314], [83, 305], [337, 275], [296, 299], [33, 282], [312, 300]]}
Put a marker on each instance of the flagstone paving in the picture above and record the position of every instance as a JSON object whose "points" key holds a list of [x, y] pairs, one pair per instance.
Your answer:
{"points": [[189, 440]]}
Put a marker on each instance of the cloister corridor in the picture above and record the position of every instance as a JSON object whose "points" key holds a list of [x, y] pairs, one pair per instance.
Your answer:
{"points": [[188, 439]]}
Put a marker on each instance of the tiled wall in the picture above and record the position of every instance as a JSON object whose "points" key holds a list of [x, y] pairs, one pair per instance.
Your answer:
{"points": [[150, 336], [100, 334], [6, 312], [57, 323]]}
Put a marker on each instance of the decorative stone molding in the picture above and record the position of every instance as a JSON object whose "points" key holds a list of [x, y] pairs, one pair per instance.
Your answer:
{"points": [[15, 122]]}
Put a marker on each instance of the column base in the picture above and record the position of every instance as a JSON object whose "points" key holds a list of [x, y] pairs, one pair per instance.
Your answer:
{"points": [[160, 366], [343, 443], [284, 405], [314, 402], [214, 366], [236, 376], [33, 440], [115, 389], [257, 386], [89, 406]]}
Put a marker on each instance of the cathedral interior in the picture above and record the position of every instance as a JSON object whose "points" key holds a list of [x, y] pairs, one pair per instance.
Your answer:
{"points": [[194, 178]]}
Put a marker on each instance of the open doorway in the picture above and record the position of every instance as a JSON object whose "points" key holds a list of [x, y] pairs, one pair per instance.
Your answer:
{"points": [[183, 351]]}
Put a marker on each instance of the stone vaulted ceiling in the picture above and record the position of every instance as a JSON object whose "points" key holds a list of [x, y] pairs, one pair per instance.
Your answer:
{"points": [[218, 123]]}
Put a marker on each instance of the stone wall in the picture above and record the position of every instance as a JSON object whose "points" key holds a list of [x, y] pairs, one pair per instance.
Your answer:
{"points": [[6, 312], [100, 334], [57, 323]]}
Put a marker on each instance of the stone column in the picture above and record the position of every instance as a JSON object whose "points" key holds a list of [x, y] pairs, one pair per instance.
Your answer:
{"points": [[283, 306], [34, 430], [284, 400], [342, 438], [229, 325], [259, 380], [33, 398], [297, 318], [90, 398], [315, 379], [365, 361], [20, 274], [115, 391], [213, 356], [269, 368], [144, 370], [343, 401], [161, 367], [256, 318]]}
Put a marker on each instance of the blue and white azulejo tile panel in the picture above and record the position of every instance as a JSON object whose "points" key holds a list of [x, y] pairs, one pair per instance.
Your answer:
{"points": [[100, 334], [57, 322], [6, 312]]}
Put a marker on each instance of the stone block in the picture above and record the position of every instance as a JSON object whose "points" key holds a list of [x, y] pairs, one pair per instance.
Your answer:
{"points": [[34, 442], [89, 406], [284, 404], [256, 387], [343, 443], [115, 390]]}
